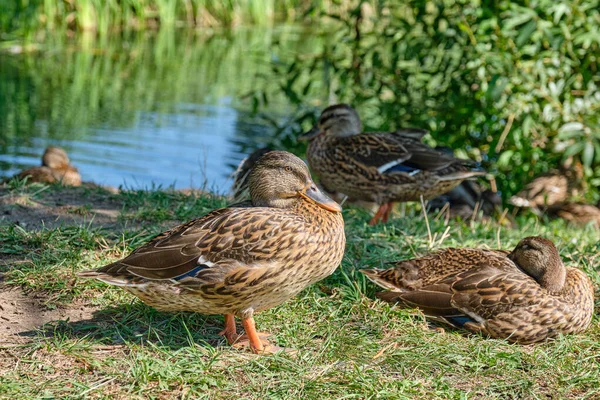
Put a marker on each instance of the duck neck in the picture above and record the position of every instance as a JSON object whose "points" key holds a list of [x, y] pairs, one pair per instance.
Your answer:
{"points": [[554, 278]]}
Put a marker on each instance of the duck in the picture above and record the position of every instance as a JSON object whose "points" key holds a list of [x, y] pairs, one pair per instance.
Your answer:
{"points": [[241, 259], [239, 188], [467, 200], [56, 168], [524, 296], [240, 191], [577, 213], [379, 167], [550, 189]]}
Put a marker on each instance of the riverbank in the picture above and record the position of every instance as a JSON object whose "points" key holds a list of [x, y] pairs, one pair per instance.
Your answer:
{"points": [[65, 337]]}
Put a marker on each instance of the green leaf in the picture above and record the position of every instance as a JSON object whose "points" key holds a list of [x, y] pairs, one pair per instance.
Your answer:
{"points": [[588, 154], [574, 149], [525, 33]]}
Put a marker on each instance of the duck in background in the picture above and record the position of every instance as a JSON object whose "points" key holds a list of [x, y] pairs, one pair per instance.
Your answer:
{"points": [[468, 201], [379, 167], [553, 195], [524, 296], [56, 168], [550, 189], [577, 213], [244, 258]]}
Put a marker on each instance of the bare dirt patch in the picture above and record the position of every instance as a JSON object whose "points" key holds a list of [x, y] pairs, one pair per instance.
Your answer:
{"points": [[53, 208], [21, 313]]}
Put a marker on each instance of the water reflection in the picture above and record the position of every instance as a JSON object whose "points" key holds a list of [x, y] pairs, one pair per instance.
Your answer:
{"points": [[156, 109]]}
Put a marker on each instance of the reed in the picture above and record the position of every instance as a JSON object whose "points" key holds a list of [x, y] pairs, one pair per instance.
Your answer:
{"points": [[23, 18]]}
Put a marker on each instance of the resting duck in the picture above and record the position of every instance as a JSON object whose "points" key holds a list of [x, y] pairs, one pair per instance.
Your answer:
{"points": [[524, 296], [242, 259], [549, 189], [577, 213], [56, 168], [379, 167], [467, 201]]}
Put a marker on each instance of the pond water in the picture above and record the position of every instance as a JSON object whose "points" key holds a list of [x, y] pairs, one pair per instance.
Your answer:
{"points": [[152, 109]]}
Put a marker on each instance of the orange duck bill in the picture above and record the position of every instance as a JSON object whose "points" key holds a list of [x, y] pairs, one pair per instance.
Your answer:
{"points": [[312, 193]]}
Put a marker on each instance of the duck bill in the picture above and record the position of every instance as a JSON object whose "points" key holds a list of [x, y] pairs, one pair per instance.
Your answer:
{"points": [[312, 193], [313, 133]]}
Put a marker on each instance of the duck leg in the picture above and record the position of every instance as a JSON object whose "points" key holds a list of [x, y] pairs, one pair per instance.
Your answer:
{"points": [[379, 214], [230, 331], [388, 212], [257, 341]]}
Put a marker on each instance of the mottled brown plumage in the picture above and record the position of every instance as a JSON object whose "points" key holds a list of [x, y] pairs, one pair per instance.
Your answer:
{"points": [[56, 168], [550, 189], [577, 213], [524, 296], [244, 258], [379, 167]]}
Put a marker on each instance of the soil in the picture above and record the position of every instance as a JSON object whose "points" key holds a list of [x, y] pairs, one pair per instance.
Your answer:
{"points": [[22, 313], [53, 208]]}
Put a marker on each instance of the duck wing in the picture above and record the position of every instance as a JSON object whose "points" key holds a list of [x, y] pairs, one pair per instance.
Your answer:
{"points": [[202, 250], [379, 150], [483, 293]]}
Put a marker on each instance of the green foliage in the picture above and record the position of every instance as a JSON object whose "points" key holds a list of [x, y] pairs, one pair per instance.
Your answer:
{"points": [[512, 84]]}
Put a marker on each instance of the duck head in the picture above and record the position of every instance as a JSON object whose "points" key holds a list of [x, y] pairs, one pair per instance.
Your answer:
{"points": [[339, 120], [539, 258], [281, 180], [55, 158]]}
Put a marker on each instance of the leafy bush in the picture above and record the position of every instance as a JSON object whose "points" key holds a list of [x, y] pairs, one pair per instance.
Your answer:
{"points": [[513, 84]]}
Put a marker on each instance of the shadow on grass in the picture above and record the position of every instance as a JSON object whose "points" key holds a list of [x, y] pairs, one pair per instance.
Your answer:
{"points": [[139, 324]]}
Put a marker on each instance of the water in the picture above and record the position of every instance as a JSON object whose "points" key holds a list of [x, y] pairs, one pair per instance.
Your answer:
{"points": [[160, 109]]}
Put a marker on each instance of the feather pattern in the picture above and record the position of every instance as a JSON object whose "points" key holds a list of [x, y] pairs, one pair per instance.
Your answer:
{"points": [[380, 167], [524, 296]]}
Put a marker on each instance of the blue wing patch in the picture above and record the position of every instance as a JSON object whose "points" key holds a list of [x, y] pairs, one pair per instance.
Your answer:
{"points": [[192, 273], [459, 320]]}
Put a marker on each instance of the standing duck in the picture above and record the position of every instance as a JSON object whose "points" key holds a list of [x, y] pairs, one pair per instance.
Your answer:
{"points": [[242, 259], [524, 296], [241, 175], [56, 168], [379, 167]]}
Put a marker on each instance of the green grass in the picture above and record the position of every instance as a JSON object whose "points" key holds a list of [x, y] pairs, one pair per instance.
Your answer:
{"points": [[349, 345]]}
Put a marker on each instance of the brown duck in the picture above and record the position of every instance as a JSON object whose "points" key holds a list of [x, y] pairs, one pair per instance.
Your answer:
{"points": [[244, 258], [56, 168], [550, 189], [577, 213], [524, 296], [379, 167]]}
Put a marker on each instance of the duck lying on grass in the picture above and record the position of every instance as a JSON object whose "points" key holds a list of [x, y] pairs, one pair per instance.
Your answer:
{"points": [[524, 296], [56, 168], [242, 259], [379, 167]]}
